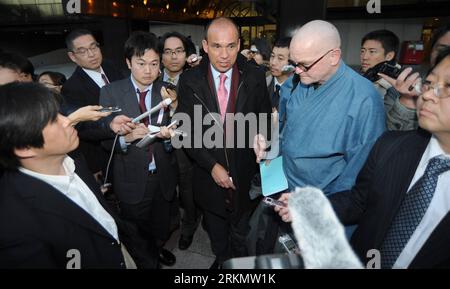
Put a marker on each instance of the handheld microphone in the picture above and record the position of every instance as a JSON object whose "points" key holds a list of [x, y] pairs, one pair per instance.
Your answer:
{"points": [[319, 233], [160, 105]]}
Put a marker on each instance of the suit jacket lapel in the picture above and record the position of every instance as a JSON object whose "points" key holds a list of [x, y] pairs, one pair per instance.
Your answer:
{"points": [[241, 97], [156, 99], [91, 86], [405, 163], [436, 249], [89, 180], [130, 99], [213, 100], [42, 196], [244, 79]]}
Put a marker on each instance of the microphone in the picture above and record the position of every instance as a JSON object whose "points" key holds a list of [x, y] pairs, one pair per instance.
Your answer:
{"points": [[160, 105], [320, 235]]}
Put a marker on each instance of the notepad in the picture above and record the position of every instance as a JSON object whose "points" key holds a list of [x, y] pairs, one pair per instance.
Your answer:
{"points": [[273, 179]]}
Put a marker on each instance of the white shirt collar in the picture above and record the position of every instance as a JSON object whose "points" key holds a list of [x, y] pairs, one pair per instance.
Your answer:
{"points": [[433, 149], [275, 82], [61, 183], [96, 76], [90, 71], [216, 74], [148, 88]]}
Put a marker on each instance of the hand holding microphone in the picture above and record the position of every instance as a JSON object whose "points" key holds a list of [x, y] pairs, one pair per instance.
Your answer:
{"points": [[122, 125], [138, 133], [319, 233], [163, 104]]}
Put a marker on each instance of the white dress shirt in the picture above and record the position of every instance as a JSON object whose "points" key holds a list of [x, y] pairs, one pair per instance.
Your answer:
{"points": [[438, 208], [216, 77], [148, 105], [275, 82], [74, 188], [96, 76]]}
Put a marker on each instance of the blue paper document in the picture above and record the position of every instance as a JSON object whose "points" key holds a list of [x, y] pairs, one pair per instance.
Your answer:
{"points": [[273, 179]]}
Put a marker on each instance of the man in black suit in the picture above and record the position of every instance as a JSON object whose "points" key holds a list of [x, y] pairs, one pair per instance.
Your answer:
{"points": [[279, 58], [223, 83], [401, 197], [83, 88], [52, 214], [175, 51], [144, 178]]}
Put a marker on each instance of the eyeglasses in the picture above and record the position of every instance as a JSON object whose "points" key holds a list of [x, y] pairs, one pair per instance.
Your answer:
{"points": [[83, 51], [177, 52], [305, 68], [440, 91]]}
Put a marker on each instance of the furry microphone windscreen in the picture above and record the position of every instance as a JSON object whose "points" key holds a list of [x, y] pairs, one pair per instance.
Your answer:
{"points": [[320, 235]]}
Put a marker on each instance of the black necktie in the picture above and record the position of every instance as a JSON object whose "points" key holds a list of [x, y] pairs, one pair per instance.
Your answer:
{"points": [[105, 79], [276, 96]]}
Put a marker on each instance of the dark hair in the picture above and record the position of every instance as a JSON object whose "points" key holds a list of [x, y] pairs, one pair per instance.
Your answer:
{"points": [[263, 48], [218, 19], [56, 77], [283, 42], [388, 40], [16, 62], [139, 42], [74, 35], [441, 56], [25, 109], [175, 34], [7, 60], [441, 31]]}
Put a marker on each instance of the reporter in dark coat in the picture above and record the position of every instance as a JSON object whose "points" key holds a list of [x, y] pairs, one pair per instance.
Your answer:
{"points": [[144, 178], [83, 88], [52, 214]]}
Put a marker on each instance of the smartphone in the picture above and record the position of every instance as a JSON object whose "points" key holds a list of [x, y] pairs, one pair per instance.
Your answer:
{"points": [[170, 86], [272, 202], [110, 109]]}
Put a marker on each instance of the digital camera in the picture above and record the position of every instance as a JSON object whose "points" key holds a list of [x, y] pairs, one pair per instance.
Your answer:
{"points": [[386, 68]]}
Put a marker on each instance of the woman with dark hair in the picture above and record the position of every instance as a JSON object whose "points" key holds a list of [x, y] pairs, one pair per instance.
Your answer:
{"points": [[53, 80], [260, 52]]}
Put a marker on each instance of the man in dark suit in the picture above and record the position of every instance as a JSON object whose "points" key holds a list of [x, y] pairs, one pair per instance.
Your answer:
{"points": [[175, 51], [60, 219], [278, 61], [401, 197], [144, 178], [223, 83], [83, 88]]}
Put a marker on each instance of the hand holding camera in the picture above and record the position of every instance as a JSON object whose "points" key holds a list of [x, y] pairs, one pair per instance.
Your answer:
{"points": [[406, 84]]}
